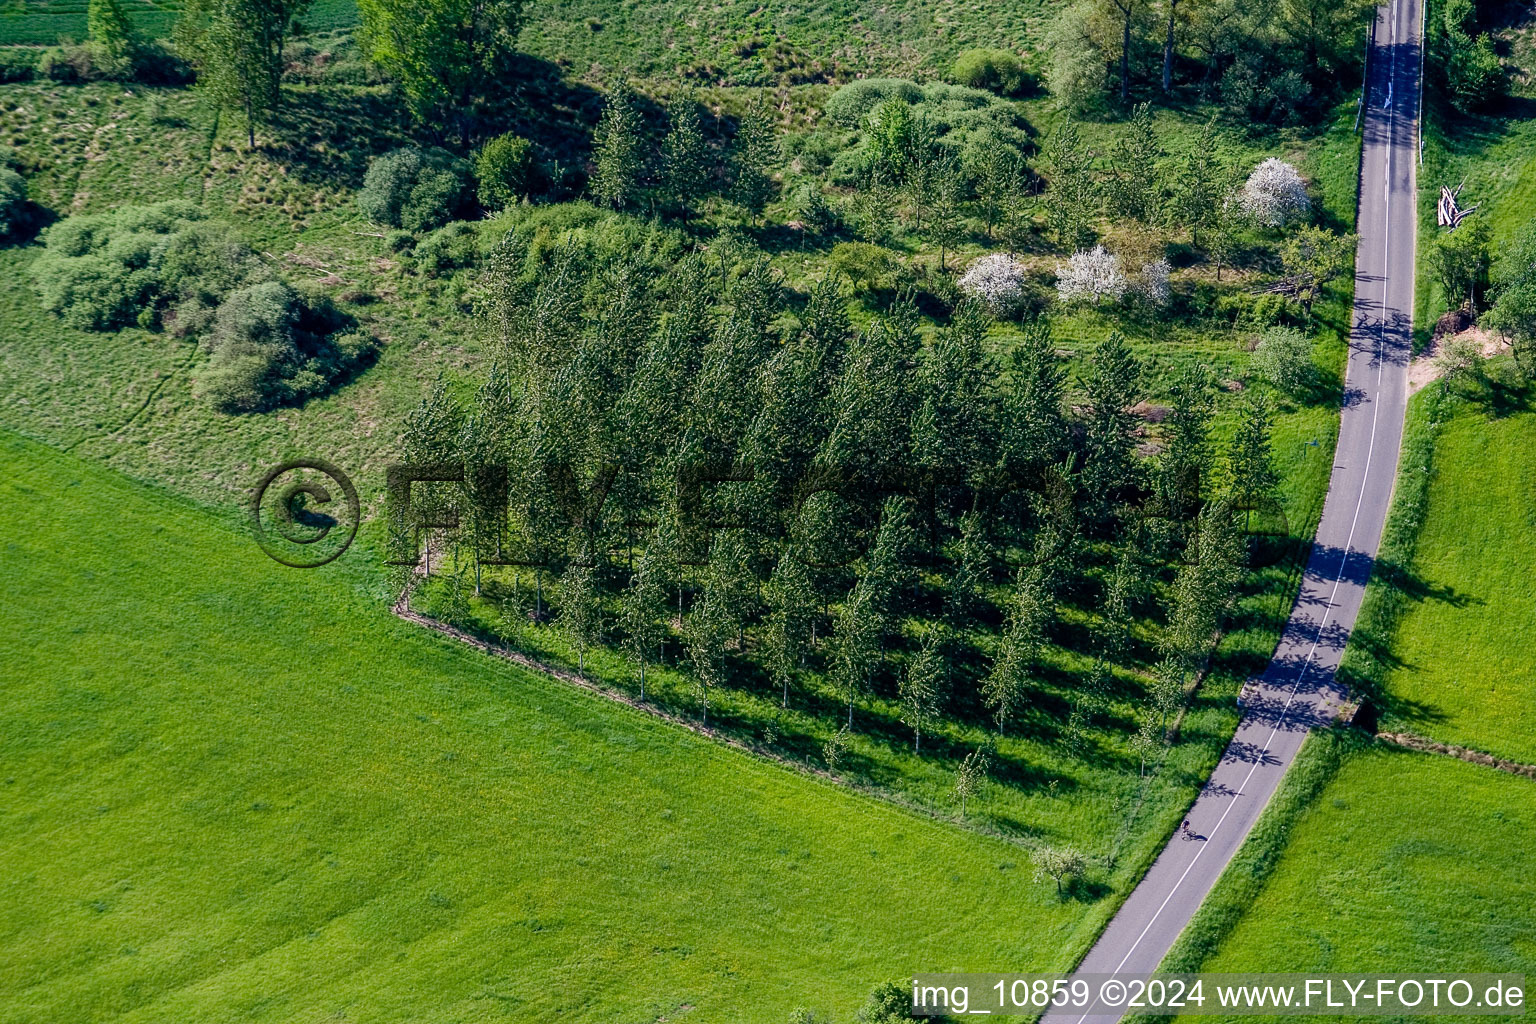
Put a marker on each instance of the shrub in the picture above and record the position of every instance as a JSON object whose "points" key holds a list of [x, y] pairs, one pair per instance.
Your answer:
{"points": [[449, 248], [163, 264], [271, 345], [1474, 75], [1284, 358], [995, 70], [106, 271], [1262, 88], [439, 196], [414, 188], [812, 209], [853, 102], [1091, 275], [14, 212], [505, 170], [17, 64], [541, 232], [1151, 286], [869, 267], [1247, 311], [999, 280], [1274, 194], [889, 1003]]}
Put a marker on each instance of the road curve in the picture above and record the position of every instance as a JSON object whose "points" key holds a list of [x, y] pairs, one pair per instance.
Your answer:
{"points": [[1298, 689]]}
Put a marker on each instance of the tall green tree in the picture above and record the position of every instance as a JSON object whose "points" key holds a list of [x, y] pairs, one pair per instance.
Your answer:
{"points": [[1186, 461], [1311, 257], [730, 577], [236, 48], [1197, 187], [1128, 11], [1072, 197], [875, 397], [1016, 662], [754, 154], [1172, 9], [1033, 429], [1461, 262], [1203, 591], [923, 687], [1250, 459], [111, 33], [890, 574], [969, 777], [956, 423], [856, 638], [685, 160], [442, 52], [1514, 307], [968, 579], [1109, 460], [707, 633], [1137, 186], [618, 154], [996, 170], [949, 195], [580, 612], [791, 600], [643, 611]]}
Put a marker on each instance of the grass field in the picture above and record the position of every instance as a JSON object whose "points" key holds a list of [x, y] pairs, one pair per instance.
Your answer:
{"points": [[1375, 859], [45, 22], [1447, 637], [733, 43], [250, 829]]}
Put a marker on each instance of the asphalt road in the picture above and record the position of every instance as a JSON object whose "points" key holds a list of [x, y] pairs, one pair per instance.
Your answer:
{"points": [[1298, 689]]}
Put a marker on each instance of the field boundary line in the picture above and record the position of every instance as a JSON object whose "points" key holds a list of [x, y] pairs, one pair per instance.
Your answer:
{"points": [[1425, 745]]}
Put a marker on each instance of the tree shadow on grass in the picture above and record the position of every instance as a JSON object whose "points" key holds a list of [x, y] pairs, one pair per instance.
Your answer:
{"points": [[327, 135]]}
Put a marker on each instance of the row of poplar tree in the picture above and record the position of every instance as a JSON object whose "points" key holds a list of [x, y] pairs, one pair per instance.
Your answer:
{"points": [[767, 488]]}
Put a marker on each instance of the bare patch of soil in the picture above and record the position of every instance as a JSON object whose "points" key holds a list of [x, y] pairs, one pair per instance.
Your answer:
{"points": [[1425, 368]]}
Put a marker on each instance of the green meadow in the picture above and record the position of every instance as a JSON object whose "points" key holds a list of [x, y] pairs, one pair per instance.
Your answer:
{"points": [[235, 791], [1373, 859]]}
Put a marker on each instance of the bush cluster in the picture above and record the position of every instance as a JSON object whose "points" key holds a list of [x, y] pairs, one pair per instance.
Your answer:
{"points": [[165, 266], [139, 265], [15, 210], [415, 189], [505, 170], [853, 102], [270, 345], [897, 117], [994, 70], [868, 267], [153, 62]]}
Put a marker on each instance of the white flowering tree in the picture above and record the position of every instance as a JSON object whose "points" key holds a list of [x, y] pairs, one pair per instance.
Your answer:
{"points": [[997, 279], [1274, 194], [1151, 285], [1091, 275]]}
